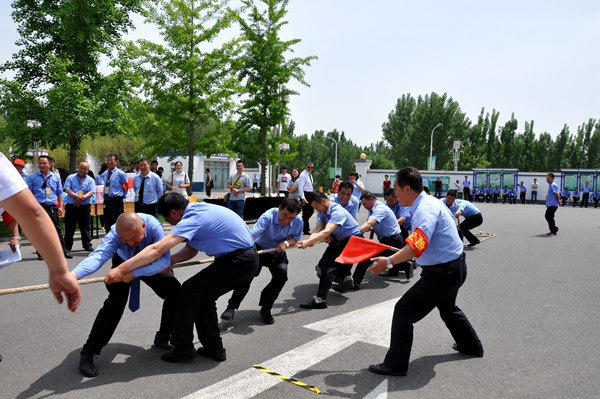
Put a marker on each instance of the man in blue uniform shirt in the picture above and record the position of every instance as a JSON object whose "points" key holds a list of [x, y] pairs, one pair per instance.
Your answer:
{"points": [[79, 188], [466, 209], [552, 204], [216, 231], [148, 189], [575, 195], [115, 190], [278, 228], [439, 251], [345, 198], [334, 226], [595, 197], [382, 220], [585, 199], [564, 195], [47, 190], [131, 233], [403, 216]]}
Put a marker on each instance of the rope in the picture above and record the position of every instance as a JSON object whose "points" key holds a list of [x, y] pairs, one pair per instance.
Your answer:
{"points": [[40, 287]]}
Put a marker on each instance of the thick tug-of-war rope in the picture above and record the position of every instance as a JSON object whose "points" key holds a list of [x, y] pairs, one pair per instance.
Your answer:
{"points": [[39, 287]]}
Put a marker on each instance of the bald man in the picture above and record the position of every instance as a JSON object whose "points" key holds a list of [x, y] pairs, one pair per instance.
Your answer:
{"points": [[79, 188], [131, 233]]}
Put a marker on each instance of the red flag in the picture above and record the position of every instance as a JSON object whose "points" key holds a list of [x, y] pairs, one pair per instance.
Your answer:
{"points": [[358, 249]]}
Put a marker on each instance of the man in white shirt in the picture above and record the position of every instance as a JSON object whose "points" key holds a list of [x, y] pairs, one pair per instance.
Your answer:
{"points": [[305, 189], [282, 181]]}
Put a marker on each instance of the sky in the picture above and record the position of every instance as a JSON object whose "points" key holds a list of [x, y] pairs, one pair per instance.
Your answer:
{"points": [[537, 59]]}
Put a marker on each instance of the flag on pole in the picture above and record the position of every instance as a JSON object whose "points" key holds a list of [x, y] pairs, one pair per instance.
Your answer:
{"points": [[359, 249]]}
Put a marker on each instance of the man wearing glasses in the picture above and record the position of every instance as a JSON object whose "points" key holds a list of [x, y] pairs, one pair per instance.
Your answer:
{"points": [[305, 189]]}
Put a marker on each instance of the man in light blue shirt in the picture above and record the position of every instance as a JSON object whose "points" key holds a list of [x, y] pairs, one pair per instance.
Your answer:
{"points": [[218, 232], [334, 226], [115, 190], [79, 188], [575, 195], [130, 234], [148, 189], [438, 248], [564, 196], [346, 199], [585, 199], [467, 188], [551, 203], [383, 221], [278, 228], [48, 191], [470, 212]]}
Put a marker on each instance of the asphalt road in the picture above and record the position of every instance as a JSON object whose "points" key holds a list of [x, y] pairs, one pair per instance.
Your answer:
{"points": [[532, 298]]}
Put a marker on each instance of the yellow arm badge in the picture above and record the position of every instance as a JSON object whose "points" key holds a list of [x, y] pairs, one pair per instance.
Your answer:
{"points": [[418, 242]]}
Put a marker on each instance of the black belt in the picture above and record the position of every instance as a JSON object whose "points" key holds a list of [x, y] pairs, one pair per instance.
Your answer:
{"points": [[441, 267], [236, 252], [48, 206], [114, 198], [391, 238]]}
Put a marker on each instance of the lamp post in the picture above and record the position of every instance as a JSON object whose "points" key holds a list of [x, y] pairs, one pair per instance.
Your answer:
{"points": [[335, 141], [431, 145]]}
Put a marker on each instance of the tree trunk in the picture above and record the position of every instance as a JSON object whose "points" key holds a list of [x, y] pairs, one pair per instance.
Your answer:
{"points": [[263, 162], [73, 148], [191, 128]]}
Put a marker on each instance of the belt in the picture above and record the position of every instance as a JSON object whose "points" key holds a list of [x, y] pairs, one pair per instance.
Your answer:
{"points": [[441, 267], [115, 198], [236, 252], [48, 206]]}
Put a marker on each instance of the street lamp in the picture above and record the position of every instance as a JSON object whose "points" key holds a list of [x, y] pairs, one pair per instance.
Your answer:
{"points": [[431, 145], [334, 140]]}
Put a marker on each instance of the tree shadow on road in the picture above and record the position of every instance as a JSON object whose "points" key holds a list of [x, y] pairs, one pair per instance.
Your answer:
{"points": [[117, 363]]}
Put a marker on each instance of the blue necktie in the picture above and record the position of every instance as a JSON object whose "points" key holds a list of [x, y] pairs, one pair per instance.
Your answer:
{"points": [[134, 295]]}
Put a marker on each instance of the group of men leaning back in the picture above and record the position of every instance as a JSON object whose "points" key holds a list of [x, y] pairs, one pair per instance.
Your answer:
{"points": [[140, 250]]}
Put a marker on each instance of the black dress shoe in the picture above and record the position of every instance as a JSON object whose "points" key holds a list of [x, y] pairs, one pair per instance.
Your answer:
{"points": [[176, 356], [472, 244], [88, 249], [475, 353], [39, 256], [228, 314], [382, 369], [86, 366], [220, 355], [408, 270], [68, 255], [267, 316], [161, 340], [314, 305]]}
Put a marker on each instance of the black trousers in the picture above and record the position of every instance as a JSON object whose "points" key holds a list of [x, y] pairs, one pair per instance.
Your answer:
{"points": [[437, 288], [468, 224], [166, 286], [78, 215], [495, 198], [522, 196], [595, 202], [278, 265], [307, 211], [330, 268], [199, 294], [575, 199], [397, 242], [150, 209], [550, 211], [113, 207], [208, 191], [585, 199], [467, 193], [52, 211]]}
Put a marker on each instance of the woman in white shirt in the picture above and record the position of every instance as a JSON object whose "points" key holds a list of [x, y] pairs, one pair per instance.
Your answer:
{"points": [[179, 181]]}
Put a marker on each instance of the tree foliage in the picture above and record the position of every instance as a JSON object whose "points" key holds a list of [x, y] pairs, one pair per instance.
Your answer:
{"points": [[265, 71], [57, 82], [186, 79]]}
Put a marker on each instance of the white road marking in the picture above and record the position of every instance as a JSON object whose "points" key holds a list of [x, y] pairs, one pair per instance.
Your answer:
{"points": [[380, 391], [370, 324]]}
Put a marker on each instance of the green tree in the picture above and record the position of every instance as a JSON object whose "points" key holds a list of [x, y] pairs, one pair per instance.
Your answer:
{"points": [[57, 66], [265, 73], [409, 126], [187, 79]]}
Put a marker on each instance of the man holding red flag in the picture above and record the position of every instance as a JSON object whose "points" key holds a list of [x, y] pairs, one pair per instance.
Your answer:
{"points": [[439, 250], [335, 226]]}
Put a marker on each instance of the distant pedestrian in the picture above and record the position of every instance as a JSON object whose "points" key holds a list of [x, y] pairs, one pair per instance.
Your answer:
{"points": [[306, 191], [387, 183], [79, 188], [552, 204], [522, 192], [335, 186], [437, 184], [467, 188], [283, 179], [179, 181], [585, 199], [534, 189], [209, 182]]}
